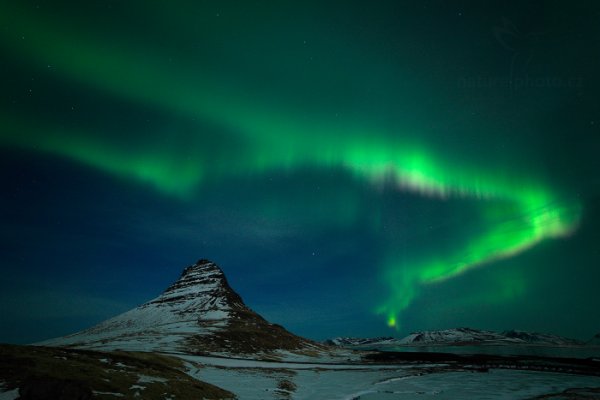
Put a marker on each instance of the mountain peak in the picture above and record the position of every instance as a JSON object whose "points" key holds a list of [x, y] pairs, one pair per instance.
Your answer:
{"points": [[201, 287], [202, 270], [201, 266]]}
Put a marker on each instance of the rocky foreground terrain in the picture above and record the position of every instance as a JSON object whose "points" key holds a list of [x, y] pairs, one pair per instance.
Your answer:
{"points": [[41, 373]]}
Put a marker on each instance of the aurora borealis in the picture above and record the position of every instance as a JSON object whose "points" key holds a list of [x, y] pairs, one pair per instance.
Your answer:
{"points": [[381, 160]]}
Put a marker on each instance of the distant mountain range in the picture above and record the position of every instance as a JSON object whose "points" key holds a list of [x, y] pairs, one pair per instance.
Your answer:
{"points": [[198, 314], [353, 342], [462, 336]]}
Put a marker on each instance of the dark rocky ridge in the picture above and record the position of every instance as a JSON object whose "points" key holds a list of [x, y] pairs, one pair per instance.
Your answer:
{"points": [[247, 331]]}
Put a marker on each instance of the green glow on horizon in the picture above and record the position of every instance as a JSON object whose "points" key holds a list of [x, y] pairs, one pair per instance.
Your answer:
{"points": [[392, 321], [520, 211]]}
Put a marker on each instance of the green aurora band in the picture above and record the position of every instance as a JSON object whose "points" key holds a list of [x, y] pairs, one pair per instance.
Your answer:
{"points": [[519, 212]]}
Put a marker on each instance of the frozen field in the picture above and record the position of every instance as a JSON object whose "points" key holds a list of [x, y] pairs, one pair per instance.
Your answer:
{"points": [[268, 380]]}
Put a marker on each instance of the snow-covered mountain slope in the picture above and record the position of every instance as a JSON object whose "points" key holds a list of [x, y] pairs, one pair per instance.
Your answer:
{"points": [[198, 314]]}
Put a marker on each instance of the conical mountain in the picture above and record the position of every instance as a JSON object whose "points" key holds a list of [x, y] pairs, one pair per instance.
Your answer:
{"points": [[198, 314]]}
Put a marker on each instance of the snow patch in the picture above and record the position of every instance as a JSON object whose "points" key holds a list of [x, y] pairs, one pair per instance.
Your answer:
{"points": [[9, 395], [150, 379], [108, 393]]}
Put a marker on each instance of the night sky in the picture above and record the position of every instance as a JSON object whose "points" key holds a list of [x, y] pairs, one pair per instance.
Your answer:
{"points": [[355, 168]]}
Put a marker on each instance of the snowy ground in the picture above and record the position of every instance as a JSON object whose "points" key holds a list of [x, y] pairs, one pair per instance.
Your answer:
{"points": [[296, 379], [288, 380], [6, 394], [9, 394], [497, 384]]}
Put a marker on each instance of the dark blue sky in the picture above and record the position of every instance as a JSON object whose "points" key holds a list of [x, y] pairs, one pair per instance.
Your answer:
{"points": [[349, 166]]}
